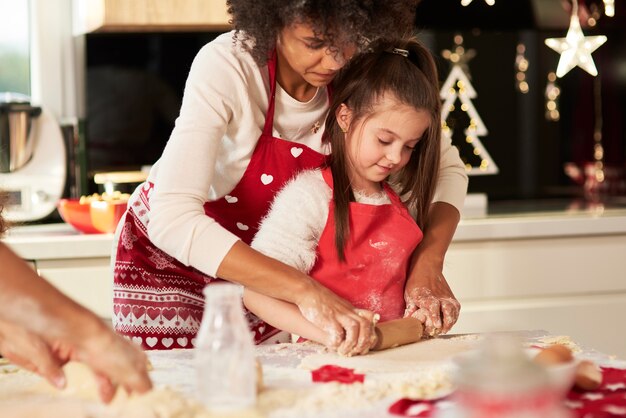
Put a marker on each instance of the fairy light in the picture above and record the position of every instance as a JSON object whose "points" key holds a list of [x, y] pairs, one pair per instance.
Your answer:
{"points": [[467, 2], [598, 148], [521, 66], [609, 8], [552, 99]]}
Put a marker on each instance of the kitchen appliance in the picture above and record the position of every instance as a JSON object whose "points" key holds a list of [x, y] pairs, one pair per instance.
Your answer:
{"points": [[32, 159]]}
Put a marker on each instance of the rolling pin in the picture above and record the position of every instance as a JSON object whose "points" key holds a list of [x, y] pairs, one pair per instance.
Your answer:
{"points": [[397, 332]]}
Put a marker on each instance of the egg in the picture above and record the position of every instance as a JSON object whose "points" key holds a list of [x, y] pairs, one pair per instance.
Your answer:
{"points": [[554, 354], [588, 376]]}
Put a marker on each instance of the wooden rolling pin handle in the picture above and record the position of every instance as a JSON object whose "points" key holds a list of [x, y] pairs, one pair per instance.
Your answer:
{"points": [[397, 332]]}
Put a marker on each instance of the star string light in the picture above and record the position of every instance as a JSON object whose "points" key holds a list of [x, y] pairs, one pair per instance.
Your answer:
{"points": [[576, 48]]}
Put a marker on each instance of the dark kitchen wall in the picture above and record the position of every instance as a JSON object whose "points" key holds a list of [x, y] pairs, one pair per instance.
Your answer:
{"points": [[135, 82], [134, 88]]}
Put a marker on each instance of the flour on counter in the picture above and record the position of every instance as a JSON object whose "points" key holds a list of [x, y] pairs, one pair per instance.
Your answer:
{"points": [[559, 339], [409, 357]]}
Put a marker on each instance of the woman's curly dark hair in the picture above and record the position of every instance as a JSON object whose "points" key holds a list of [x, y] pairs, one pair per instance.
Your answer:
{"points": [[338, 22], [3, 224]]}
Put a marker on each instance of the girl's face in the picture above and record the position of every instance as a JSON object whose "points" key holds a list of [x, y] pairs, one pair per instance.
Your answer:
{"points": [[381, 143], [308, 58]]}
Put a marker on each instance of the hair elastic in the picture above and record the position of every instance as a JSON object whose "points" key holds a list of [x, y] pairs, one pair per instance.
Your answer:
{"points": [[400, 51]]}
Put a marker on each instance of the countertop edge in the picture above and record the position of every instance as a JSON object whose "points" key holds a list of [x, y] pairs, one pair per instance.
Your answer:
{"points": [[60, 241]]}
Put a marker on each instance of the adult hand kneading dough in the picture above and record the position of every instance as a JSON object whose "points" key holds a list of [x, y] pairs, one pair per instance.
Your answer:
{"points": [[157, 403]]}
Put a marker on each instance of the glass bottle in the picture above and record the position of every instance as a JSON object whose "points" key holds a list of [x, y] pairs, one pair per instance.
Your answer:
{"points": [[501, 381], [224, 352]]}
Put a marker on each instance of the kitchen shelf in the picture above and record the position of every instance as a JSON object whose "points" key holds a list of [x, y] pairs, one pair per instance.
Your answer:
{"points": [[151, 16]]}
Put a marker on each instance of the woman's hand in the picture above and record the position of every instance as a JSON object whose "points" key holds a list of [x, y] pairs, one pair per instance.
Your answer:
{"points": [[429, 298], [59, 330], [32, 353], [350, 331], [426, 293], [112, 359]]}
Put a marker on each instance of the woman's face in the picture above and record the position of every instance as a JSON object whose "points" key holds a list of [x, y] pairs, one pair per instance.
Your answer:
{"points": [[309, 58], [381, 143]]}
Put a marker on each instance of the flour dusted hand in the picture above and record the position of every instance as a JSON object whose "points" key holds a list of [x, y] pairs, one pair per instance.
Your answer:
{"points": [[348, 330], [437, 311]]}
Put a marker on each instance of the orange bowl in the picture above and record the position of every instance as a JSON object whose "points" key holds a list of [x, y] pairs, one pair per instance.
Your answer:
{"points": [[77, 214], [92, 217], [106, 214]]}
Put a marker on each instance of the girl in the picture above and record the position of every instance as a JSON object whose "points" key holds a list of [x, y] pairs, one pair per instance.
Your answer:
{"points": [[252, 110], [344, 224]]}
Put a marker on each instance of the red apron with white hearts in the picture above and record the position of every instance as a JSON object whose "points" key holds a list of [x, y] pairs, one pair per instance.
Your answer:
{"points": [[380, 245], [158, 301]]}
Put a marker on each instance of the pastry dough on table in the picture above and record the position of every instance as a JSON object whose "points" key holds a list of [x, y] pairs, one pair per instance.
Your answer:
{"points": [[25, 395]]}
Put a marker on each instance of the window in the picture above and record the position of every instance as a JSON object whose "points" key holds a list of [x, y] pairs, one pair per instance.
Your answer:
{"points": [[14, 46]]}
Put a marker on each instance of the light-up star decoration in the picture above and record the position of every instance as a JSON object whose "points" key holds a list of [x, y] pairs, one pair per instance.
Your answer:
{"points": [[576, 48]]}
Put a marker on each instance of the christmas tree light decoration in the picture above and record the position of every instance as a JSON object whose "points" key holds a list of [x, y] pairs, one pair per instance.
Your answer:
{"points": [[575, 48], [458, 87], [609, 8], [459, 55], [467, 2]]}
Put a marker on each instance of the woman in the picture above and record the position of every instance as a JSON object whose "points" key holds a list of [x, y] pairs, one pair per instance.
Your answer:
{"points": [[41, 329], [254, 103]]}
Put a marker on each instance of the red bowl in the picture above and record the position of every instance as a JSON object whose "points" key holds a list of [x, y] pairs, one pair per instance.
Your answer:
{"points": [[77, 214], [94, 217]]}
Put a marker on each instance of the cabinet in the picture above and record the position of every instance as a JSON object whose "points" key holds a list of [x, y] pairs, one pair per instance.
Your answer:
{"points": [[77, 264], [567, 283], [86, 280], [150, 15]]}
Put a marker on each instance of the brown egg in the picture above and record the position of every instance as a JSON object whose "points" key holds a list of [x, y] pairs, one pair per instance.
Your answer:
{"points": [[554, 354], [588, 375]]}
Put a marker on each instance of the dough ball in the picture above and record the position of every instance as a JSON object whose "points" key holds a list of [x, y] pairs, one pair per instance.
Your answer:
{"points": [[81, 384]]}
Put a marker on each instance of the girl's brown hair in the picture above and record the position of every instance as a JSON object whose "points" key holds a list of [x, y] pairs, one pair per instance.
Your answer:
{"points": [[412, 80]]}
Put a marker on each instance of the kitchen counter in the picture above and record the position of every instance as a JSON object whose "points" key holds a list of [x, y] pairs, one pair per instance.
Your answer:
{"points": [[288, 390], [60, 241], [549, 266], [57, 241]]}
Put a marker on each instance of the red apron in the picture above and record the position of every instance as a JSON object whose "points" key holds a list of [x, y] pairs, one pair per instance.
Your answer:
{"points": [[158, 301], [381, 242]]}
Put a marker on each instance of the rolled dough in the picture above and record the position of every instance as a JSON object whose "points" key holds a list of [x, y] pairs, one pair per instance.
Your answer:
{"points": [[410, 357]]}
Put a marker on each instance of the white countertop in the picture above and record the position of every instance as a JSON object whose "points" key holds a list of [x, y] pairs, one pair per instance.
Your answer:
{"points": [[543, 224], [57, 241], [60, 241]]}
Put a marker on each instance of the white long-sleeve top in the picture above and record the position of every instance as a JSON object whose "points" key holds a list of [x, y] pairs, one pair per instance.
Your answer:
{"points": [[220, 121]]}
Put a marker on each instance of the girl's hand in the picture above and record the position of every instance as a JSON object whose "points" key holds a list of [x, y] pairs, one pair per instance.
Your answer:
{"points": [[429, 299], [348, 330]]}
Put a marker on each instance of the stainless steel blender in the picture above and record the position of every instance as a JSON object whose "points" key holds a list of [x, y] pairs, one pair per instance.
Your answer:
{"points": [[32, 159]]}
